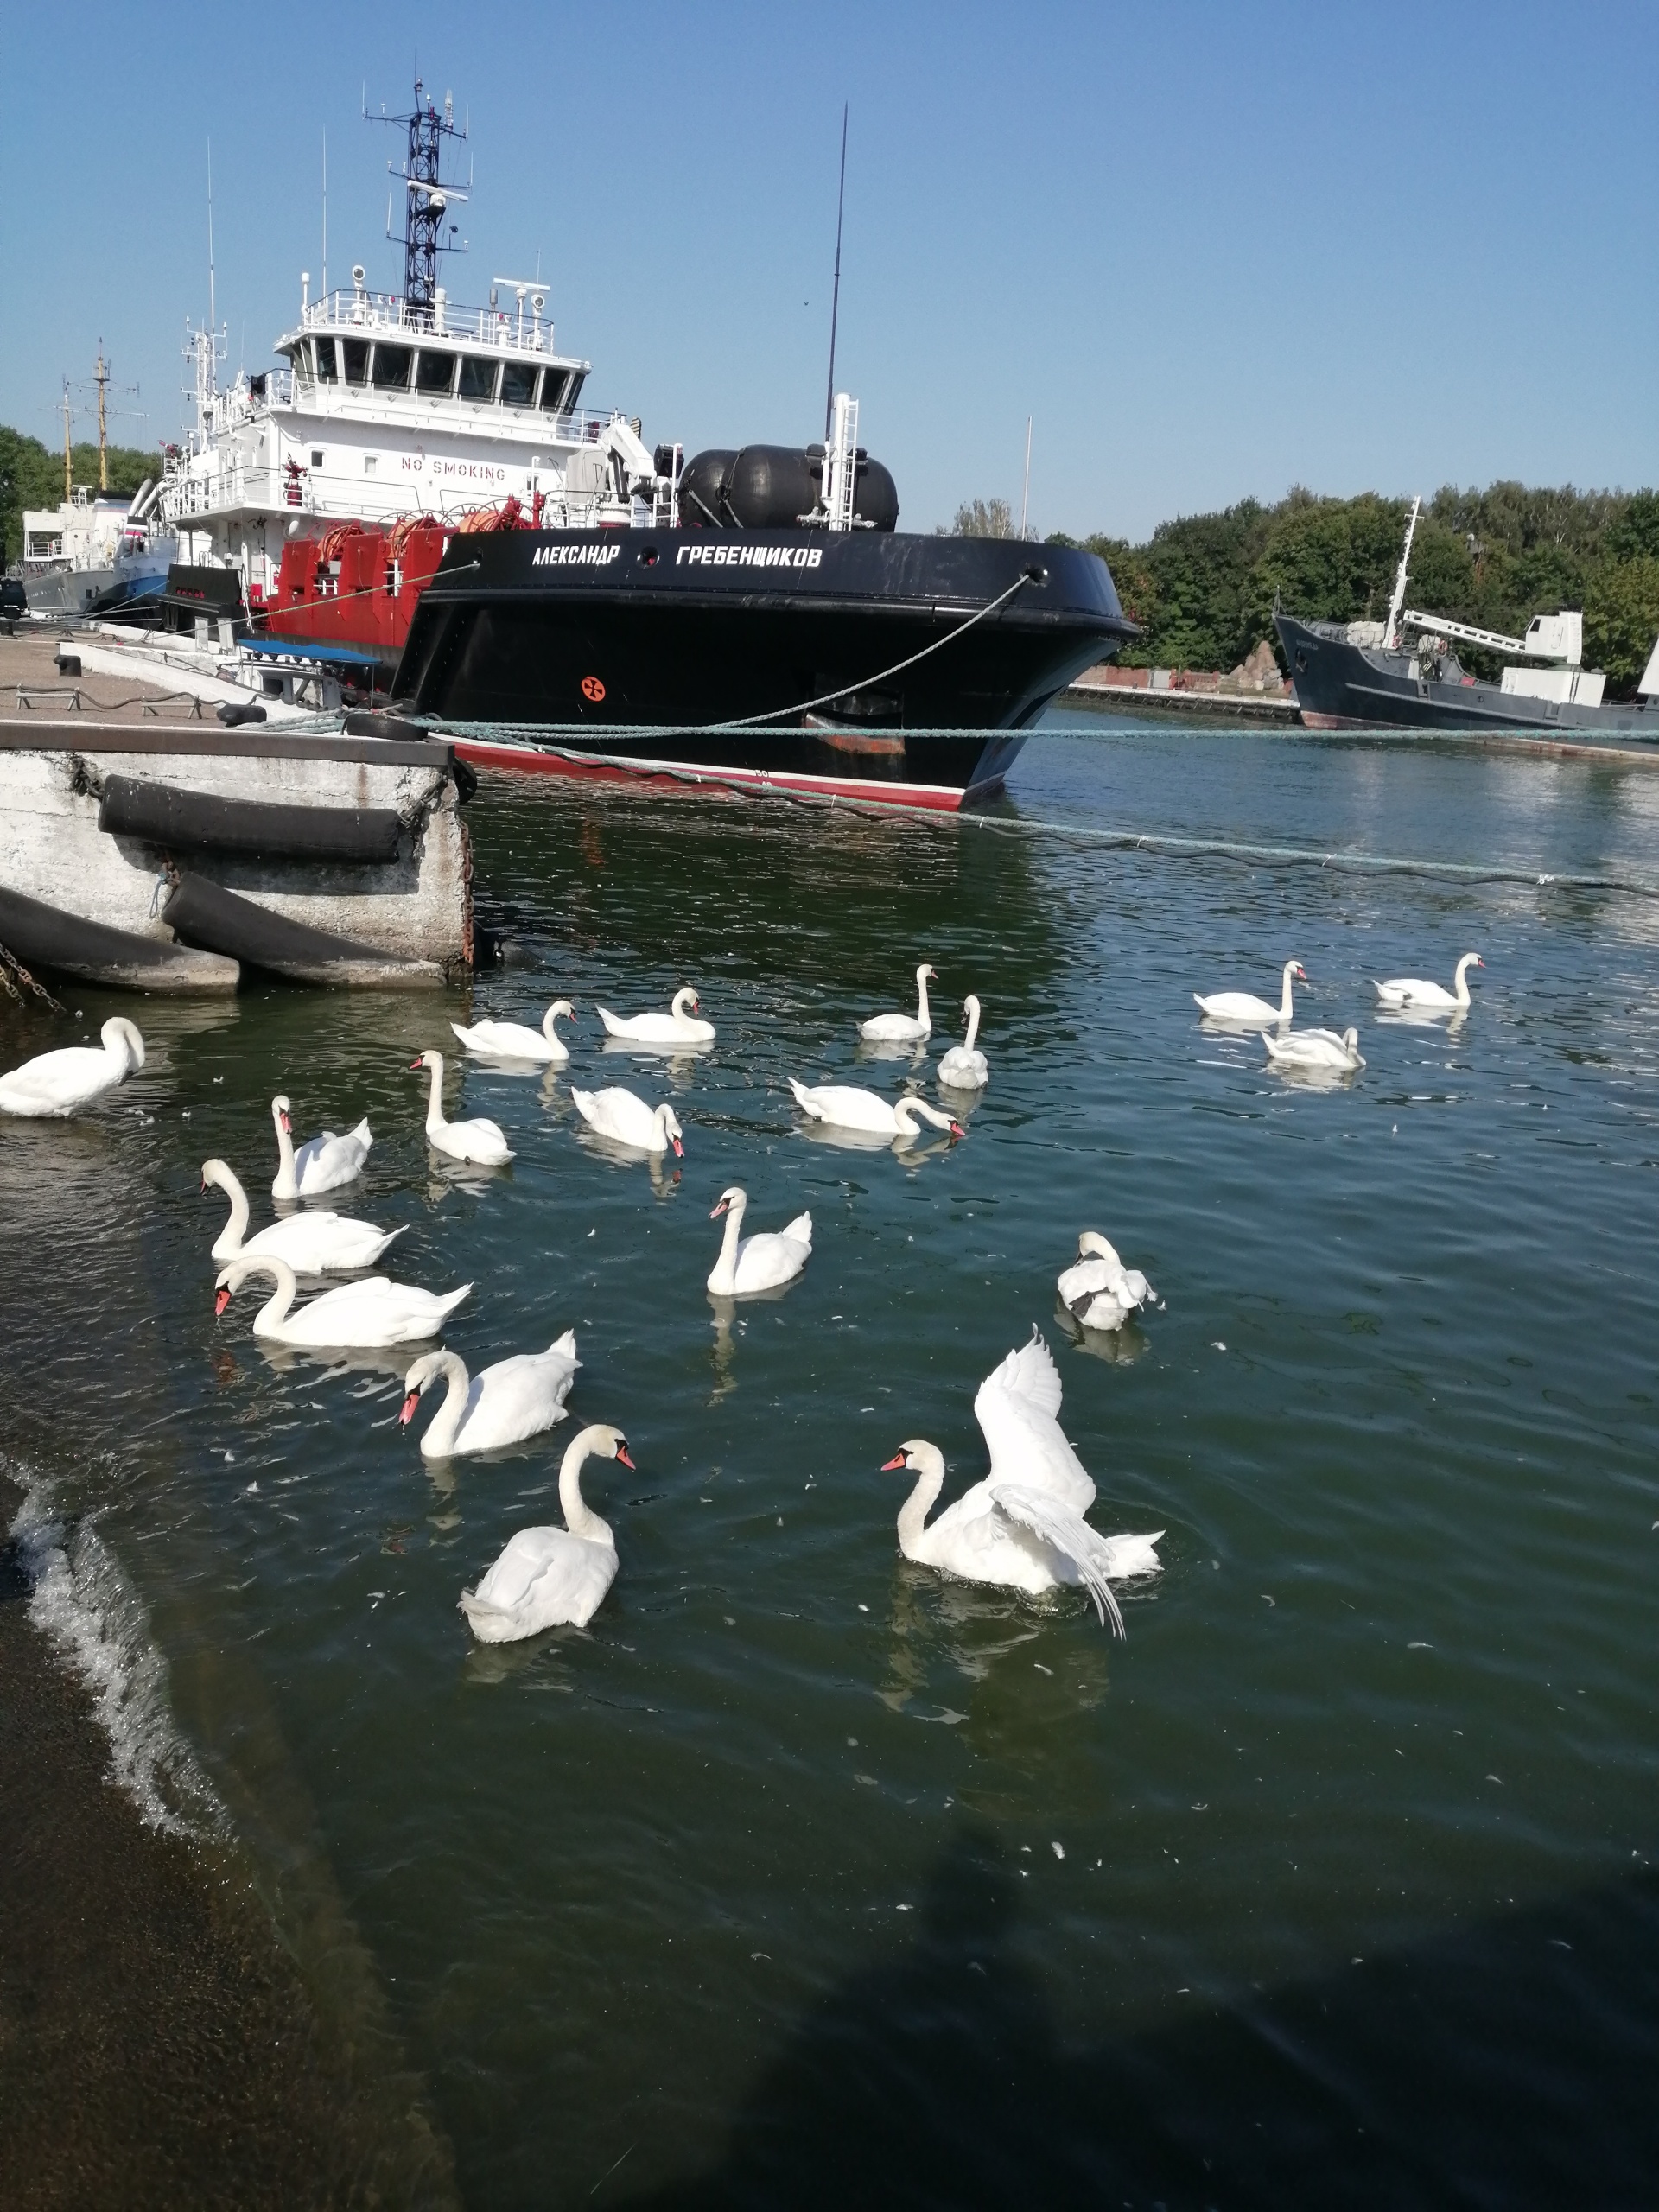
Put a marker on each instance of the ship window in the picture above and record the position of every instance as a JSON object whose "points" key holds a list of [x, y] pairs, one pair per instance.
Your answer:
{"points": [[477, 377], [316, 457], [553, 388], [355, 352], [435, 372], [518, 384], [328, 367], [392, 368], [577, 381]]}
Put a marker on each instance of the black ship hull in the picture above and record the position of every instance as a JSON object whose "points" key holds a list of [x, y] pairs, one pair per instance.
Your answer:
{"points": [[1342, 686], [851, 663]]}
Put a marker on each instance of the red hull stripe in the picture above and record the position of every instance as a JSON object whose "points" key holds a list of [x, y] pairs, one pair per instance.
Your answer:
{"points": [[690, 778]]}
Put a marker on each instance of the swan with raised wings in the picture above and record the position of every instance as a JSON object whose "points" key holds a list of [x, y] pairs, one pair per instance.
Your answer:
{"points": [[321, 1163], [679, 1027], [1315, 1049], [1409, 993], [358, 1315], [903, 1028], [844, 1106], [552, 1577], [764, 1262], [964, 1067], [501, 1404], [480, 1140], [1244, 1007], [623, 1117], [313, 1243], [59, 1083], [517, 1040], [1098, 1290]]}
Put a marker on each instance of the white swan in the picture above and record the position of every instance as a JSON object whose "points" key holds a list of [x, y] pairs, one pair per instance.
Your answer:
{"points": [[61, 1083], [1245, 1006], [1008, 1534], [321, 1163], [312, 1244], [964, 1067], [502, 1404], [843, 1106], [1403, 993], [516, 1040], [546, 1578], [676, 1028], [362, 1315], [1018, 1409], [481, 1141], [1315, 1048], [761, 1262], [1098, 1289], [625, 1119], [903, 1028]]}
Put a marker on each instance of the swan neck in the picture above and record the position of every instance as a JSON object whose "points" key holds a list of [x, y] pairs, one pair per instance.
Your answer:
{"points": [[274, 1311], [1286, 1008], [579, 1517], [922, 1013], [287, 1187], [435, 1097], [972, 1038], [726, 1266], [913, 1515], [446, 1425], [230, 1241]]}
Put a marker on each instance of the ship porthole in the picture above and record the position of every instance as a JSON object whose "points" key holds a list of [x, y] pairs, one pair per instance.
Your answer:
{"points": [[648, 556], [593, 689]]}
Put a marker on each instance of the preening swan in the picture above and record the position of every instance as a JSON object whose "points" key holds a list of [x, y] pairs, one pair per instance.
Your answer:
{"points": [[760, 1262], [964, 1067], [1315, 1048], [321, 1163], [502, 1404], [61, 1083], [1244, 1006], [1098, 1289], [843, 1106], [516, 1040], [481, 1141], [1408, 993], [312, 1244], [546, 1578], [364, 1314], [903, 1028], [675, 1028], [625, 1119]]}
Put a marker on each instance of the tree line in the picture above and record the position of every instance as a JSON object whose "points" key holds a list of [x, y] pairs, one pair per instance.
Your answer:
{"points": [[1202, 588], [31, 475]]}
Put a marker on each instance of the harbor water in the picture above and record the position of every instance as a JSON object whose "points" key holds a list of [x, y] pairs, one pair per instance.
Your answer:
{"points": [[802, 1876]]}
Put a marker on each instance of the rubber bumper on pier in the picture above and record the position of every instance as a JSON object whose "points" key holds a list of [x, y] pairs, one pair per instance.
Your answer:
{"points": [[206, 914], [45, 937]]}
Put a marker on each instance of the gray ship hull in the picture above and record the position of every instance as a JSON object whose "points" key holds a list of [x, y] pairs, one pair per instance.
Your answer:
{"points": [[1340, 686]]}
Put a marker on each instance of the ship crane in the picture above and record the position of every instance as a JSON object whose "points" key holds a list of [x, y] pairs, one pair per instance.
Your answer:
{"points": [[1557, 637]]}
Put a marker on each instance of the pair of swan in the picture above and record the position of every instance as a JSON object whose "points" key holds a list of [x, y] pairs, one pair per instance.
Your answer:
{"points": [[353, 1316], [321, 1163], [1098, 1290], [673, 1031], [843, 1106], [1410, 994], [764, 1262], [904, 1028], [61, 1083], [624, 1118], [502, 1404], [516, 1040], [480, 1140], [964, 1067], [312, 1244], [552, 1577], [1320, 1051], [1021, 1526], [1243, 1007]]}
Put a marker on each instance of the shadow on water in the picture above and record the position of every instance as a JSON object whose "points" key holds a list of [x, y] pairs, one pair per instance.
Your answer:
{"points": [[1512, 2063]]}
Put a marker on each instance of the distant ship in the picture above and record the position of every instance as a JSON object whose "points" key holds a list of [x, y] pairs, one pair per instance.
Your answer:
{"points": [[95, 556], [1404, 673]]}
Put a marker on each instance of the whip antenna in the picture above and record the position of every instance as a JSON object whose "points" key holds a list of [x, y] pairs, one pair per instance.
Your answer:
{"points": [[835, 304]]}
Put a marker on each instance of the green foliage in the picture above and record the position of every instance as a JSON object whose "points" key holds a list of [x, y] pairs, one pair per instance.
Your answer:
{"points": [[31, 475], [983, 518], [1203, 589]]}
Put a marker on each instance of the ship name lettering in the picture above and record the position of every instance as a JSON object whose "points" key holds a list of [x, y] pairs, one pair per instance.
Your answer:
{"points": [[563, 556], [751, 556]]}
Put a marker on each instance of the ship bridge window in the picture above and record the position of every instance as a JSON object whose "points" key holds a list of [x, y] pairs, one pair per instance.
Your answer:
{"points": [[392, 368], [354, 353], [434, 373], [555, 384], [477, 377], [518, 384], [328, 367]]}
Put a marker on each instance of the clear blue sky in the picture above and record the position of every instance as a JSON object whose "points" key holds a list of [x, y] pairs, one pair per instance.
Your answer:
{"points": [[1214, 250]]}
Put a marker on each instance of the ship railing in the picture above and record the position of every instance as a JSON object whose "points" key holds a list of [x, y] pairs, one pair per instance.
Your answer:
{"points": [[510, 327]]}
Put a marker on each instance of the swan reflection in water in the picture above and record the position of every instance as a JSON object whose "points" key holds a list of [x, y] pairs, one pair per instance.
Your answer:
{"points": [[908, 1055], [1026, 1675], [1120, 1347], [664, 1173], [912, 1151], [678, 1064], [729, 1314]]}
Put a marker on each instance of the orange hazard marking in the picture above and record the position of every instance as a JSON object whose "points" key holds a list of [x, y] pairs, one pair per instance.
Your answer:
{"points": [[592, 689]]}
